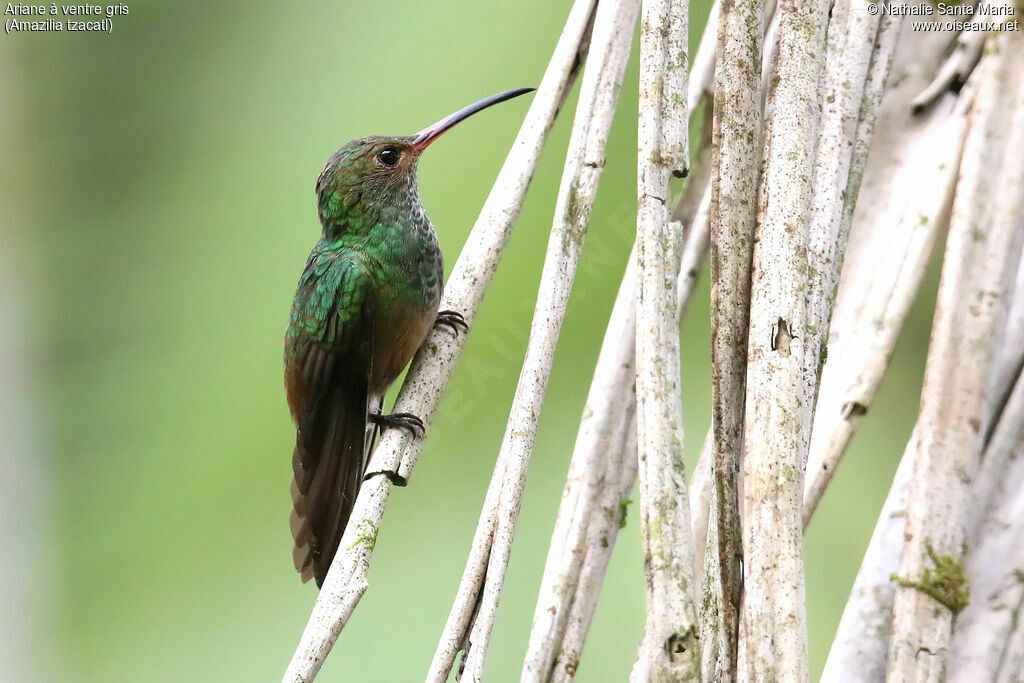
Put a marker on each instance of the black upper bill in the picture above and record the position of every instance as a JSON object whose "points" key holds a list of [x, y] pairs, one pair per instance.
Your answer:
{"points": [[431, 133]]}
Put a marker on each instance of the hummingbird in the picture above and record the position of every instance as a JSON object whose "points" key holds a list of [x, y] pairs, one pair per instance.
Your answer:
{"points": [[366, 300]]}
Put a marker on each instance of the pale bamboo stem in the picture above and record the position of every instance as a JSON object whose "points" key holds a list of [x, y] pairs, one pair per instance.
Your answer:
{"points": [[855, 58], [670, 650], [964, 55], [599, 480], [472, 617], [774, 634], [861, 645], [912, 180], [702, 70], [737, 148], [995, 564], [994, 517], [982, 255], [347, 579]]}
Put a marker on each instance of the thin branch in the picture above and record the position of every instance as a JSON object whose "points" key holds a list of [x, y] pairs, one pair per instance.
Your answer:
{"points": [[995, 564], [994, 518], [774, 632], [700, 487], [701, 495], [857, 63], [919, 54], [982, 256], [601, 474], [702, 69], [859, 659], [737, 151], [471, 619], [602, 471], [965, 54], [593, 507], [1011, 352], [1013, 656], [346, 581], [859, 650], [911, 176], [670, 650]]}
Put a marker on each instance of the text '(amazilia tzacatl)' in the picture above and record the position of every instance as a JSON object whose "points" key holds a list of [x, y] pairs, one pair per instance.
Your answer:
{"points": [[366, 300]]}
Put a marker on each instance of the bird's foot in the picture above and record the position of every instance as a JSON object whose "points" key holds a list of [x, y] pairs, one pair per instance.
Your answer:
{"points": [[452, 320], [406, 421]]}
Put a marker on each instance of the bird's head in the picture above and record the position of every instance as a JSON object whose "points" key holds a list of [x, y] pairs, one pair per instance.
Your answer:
{"points": [[369, 173]]}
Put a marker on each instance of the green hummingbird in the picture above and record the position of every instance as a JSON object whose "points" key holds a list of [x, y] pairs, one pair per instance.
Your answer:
{"points": [[367, 298]]}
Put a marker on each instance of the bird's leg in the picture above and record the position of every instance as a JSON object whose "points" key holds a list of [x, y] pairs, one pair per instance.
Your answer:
{"points": [[406, 421], [452, 320]]}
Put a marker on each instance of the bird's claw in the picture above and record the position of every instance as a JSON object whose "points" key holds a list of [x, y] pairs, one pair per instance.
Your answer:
{"points": [[453, 320], [406, 421]]}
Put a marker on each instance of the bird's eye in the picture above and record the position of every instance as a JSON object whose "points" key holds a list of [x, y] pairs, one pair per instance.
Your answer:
{"points": [[389, 156]]}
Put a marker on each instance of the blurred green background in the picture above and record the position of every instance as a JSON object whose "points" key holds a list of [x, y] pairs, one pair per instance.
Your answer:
{"points": [[157, 194]]}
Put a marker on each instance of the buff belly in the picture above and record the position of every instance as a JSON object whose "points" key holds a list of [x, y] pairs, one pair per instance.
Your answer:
{"points": [[398, 334]]}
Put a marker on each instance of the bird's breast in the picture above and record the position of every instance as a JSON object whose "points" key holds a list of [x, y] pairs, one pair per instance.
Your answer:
{"points": [[408, 292]]}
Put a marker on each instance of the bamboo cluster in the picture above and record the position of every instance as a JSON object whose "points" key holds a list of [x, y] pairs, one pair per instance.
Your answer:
{"points": [[839, 146]]}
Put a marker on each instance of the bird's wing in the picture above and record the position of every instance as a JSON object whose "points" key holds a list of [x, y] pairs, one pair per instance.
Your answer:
{"points": [[327, 364]]}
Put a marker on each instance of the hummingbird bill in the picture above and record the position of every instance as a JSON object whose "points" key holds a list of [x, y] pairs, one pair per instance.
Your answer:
{"points": [[366, 300]]}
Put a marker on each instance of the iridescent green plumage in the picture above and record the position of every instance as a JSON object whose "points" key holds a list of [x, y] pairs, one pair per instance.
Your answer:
{"points": [[365, 302]]}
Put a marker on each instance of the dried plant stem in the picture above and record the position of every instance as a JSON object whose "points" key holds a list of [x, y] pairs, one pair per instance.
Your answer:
{"points": [[702, 485], [773, 632], [860, 659], [670, 650], [1013, 656], [982, 256], [603, 470], [861, 644], [702, 68], [472, 616], [1011, 352], [737, 163], [428, 377], [913, 189], [1008, 536], [963, 56], [593, 506], [994, 517], [859, 54], [995, 564], [703, 479], [854, 657], [918, 55]]}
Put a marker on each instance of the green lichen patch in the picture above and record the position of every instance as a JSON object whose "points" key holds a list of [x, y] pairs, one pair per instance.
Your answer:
{"points": [[367, 535], [623, 509], [946, 583]]}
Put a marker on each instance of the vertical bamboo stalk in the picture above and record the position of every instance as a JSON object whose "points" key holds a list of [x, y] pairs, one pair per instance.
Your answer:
{"points": [[603, 470], [472, 617], [736, 150], [910, 177], [995, 565], [670, 650], [605, 429], [1011, 352], [427, 378], [774, 634], [856, 67], [982, 255], [858, 652]]}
